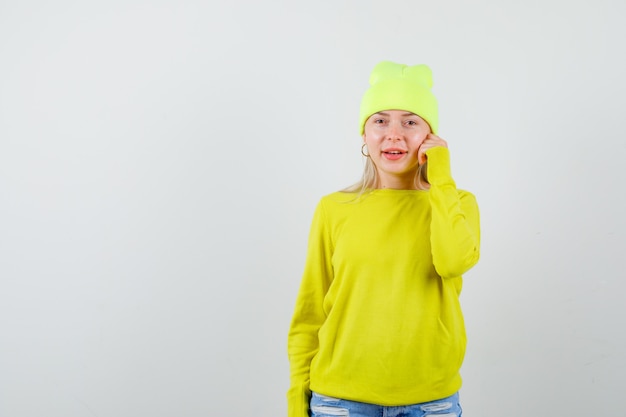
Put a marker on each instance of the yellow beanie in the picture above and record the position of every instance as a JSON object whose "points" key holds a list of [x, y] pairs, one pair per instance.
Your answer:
{"points": [[400, 87]]}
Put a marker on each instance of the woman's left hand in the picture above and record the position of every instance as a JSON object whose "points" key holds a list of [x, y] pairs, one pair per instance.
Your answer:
{"points": [[431, 141]]}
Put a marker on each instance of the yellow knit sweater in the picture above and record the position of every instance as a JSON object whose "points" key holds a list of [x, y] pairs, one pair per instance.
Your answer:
{"points": [[377, 317]]}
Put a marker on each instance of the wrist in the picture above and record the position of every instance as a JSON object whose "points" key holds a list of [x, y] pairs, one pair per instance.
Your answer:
{"points": [[439, 171]]}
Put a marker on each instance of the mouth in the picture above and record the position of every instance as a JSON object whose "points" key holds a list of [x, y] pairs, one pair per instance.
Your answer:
{"points": [[393, 154]]}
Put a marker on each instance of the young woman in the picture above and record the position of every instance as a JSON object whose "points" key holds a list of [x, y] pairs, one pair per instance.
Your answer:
{"points": [[378, 328]]}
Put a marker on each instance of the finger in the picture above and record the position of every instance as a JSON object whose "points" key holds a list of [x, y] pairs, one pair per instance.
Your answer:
{"points": [[421, 154], [436, 140], [432, 144]]}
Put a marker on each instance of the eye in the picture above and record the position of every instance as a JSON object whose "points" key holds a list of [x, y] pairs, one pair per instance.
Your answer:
{"points": [[379, 121], [412, 122]]}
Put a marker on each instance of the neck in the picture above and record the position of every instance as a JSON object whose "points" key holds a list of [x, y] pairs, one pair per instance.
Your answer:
{"points": [[395, 185]]}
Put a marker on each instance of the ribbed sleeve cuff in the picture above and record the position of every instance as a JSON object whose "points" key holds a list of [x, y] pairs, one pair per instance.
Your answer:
{"points": [[439, 172], [298, 398]]}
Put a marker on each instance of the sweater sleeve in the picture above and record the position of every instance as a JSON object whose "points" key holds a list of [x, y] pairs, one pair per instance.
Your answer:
{"points": [[455, 224], [309, 314]]}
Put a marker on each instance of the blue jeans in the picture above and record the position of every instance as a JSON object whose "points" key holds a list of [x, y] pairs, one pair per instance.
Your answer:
{"points": [[323, 406]]}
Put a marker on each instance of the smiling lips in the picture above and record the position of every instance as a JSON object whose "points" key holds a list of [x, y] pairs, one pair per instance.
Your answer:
{"points": [[393, 153]]}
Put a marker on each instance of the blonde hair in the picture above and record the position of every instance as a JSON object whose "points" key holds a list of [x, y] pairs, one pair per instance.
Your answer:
{"points": [[369, 179]]}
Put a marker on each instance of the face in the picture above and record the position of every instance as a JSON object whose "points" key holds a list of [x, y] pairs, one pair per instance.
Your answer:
{"points": [[393, 138]]}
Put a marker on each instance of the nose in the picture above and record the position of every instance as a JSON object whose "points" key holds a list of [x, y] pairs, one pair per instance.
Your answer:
{"points": [[394, 133]]}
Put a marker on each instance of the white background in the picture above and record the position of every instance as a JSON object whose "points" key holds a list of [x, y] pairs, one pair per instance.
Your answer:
{"points": [[160, 162]]}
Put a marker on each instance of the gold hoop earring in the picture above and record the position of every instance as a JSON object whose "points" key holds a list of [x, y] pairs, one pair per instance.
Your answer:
{"points": [[367, 155]]}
